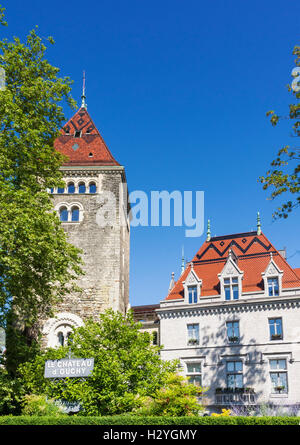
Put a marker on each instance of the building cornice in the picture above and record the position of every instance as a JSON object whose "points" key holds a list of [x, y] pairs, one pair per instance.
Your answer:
{"points": [[229, 307]]}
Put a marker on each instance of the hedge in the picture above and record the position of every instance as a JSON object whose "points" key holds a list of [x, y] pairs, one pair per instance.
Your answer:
{"points": [[146, 420]]}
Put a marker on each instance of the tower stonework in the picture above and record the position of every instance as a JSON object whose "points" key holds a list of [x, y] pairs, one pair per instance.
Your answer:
{"points": [[94, 213]]}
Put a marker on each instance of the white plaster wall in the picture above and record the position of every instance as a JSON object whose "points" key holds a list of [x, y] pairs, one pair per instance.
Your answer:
{"points": [[255, 347]]}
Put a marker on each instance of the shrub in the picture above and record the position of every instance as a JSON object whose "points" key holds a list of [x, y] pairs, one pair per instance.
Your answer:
{"points": [[11, 394], [34, 405], [176, 398], [146, 420]]}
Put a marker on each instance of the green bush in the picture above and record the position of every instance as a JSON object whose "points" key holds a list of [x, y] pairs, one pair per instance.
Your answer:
{"points": [[34, 405], [11, 394], [147, 420], [175, 398]]}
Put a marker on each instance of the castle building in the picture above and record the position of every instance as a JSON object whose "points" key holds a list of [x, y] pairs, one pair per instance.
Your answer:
{"points": [[233, 321], [93, 209]]}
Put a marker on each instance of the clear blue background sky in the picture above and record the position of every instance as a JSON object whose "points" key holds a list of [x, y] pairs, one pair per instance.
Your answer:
{"points": [[179, 90]]}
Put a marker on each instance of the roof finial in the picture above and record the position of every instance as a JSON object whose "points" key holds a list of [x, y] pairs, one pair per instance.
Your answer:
{"points": [[182, 260], [83, 102], [258, 224], [172, 282], [208, 231]]}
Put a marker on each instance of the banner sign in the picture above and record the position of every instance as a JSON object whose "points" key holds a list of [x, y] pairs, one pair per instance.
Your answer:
{"points": [[75, 367]]}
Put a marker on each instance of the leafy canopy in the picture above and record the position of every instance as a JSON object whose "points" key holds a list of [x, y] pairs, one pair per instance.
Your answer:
{"points": [[126, 367], [37, 264], [281, 178]]}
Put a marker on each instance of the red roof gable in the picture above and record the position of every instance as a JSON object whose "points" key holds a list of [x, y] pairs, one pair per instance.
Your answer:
{"points": [[253, 256], [87, 149]]}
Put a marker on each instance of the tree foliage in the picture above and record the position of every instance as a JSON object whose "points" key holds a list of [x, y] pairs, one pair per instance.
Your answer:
{"points": [[284, 177], [127, 366], [177, 397], [37, 264]]}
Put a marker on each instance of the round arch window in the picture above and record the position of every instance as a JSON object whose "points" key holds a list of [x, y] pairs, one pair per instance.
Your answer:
{"points": [[63, 214], [81, 188], [71, 187], [75, 214], [92, 187]]}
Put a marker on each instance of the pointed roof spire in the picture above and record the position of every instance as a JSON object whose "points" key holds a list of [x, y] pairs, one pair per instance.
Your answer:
{"points": [[208, 235], [182, 260], [83, 102], [258, 224]]}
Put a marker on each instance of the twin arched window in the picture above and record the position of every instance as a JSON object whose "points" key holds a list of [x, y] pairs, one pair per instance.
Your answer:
{"points": [[66, 215]]}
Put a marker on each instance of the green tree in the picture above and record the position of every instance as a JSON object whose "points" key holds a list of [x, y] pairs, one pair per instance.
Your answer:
{"points": [[37, 264], [177, 397], [127, 366], [284, 177]]}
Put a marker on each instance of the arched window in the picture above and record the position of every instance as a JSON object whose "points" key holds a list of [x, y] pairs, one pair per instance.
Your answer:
{"points": [[75, 214], [81, 188], [61, 339], [52, 190], [71, 187], [61, 190], [92, 187], [63, 214]]}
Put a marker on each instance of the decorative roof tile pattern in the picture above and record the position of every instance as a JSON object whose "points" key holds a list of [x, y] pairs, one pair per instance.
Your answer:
{"points": [[253, 256], [82, 143]]}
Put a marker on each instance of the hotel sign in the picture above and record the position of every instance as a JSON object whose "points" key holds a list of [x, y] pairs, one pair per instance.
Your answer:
{"points": [[74, 367]]}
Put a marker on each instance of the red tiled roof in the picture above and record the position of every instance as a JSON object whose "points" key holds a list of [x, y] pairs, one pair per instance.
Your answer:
{"points": [[89, 148], [297, 271], [253, 253]]}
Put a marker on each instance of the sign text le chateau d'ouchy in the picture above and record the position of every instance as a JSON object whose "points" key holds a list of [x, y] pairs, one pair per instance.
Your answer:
{"points": [[74, 367]]}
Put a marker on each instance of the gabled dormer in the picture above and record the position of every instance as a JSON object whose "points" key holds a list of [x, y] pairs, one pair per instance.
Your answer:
{"points": [[192, 287], [272, 277], [231, 278]]}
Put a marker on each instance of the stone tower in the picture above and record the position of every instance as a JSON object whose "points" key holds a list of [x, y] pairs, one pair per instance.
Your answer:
{"points": [[94, 213]]}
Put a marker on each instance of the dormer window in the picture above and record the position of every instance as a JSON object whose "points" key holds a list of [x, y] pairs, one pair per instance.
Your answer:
{"points": [[272, 278], [193, 294], [231, 288], [273, 287], [231, 279], [192, 287]]}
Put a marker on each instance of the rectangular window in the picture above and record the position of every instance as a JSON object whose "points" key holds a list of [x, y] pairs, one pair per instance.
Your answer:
{"points": [[192, 291], [193, 334], [278, 375], [231, 288], [273, 287], [234, 374], [275, 327], [233, 331], [194, 373]]}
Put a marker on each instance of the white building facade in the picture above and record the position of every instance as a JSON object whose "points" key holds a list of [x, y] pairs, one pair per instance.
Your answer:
{"points": [[233, 321]]}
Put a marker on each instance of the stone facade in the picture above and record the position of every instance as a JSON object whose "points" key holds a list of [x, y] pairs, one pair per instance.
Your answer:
{"points": [[101, 230]]}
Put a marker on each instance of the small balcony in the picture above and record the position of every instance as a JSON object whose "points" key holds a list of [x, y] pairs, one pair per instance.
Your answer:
{"points": [[235, 396]]}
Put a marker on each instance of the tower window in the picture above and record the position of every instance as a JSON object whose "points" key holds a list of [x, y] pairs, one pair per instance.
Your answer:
{"points": [[75, 214], [71, 187], [63, 214], [81, 188], [91, 155], [92, 187], [77, 134], [61, 339]]}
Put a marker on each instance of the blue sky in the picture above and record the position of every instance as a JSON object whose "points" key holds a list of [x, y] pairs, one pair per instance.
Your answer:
{"points": [[179, 91]]}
